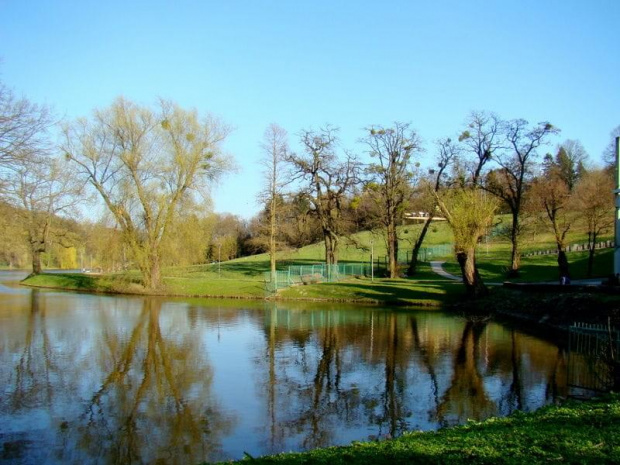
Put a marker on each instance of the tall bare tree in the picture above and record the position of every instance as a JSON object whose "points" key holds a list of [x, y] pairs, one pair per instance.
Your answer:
{"points": [[325, 182], [448, 151], [481, 138], [42, 190], [275, 150], [143, 161], [23, 127], [393, 149], [509, 182]]}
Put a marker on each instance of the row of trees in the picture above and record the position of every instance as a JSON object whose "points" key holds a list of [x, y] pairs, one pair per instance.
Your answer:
{"points": [[492, 165], [152, 168]]}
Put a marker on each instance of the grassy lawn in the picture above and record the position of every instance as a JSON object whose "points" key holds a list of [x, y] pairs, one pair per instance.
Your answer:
{"points": [[576, 432], [244, 277], [494, 265], [427, 289]]}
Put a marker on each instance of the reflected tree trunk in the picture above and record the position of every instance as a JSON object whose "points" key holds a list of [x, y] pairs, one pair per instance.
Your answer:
{"points": [[466, 398], [426, 360], [33, 373], [152, 375], [516, 388]]}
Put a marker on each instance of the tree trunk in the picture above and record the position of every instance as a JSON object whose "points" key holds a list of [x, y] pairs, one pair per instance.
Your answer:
{"points": [[392, 249], [591, 245], [515, 258], [563, 266], [272, 257], [331, 252], [151, 271], [413, 264], [474, 286], [36, 261], [272, 236]]}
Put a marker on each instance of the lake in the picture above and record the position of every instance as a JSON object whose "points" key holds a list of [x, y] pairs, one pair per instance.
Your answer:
{"points": [[116, 379]]}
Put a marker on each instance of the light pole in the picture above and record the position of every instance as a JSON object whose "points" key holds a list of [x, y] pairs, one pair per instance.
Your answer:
{"points": [[219, 260]]}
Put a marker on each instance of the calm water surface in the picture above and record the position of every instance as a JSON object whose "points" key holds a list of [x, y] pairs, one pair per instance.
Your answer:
{"points": [[105, 379]]}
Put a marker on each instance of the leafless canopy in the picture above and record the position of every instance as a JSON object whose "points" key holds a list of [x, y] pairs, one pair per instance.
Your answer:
{"points": [[22, 127]]}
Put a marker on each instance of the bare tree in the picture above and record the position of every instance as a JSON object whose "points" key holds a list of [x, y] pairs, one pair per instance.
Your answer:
{"points": [[482, 138], [593, 200], [448, 151], [142, 162], [393, 148], [509, 183], [609, 154], [275, 150], [23, 127], [41, 190], [550, 195], [325, 182]]}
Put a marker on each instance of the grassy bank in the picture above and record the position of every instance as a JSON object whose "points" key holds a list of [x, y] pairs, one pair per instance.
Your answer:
{"points": [[576, 432], [243, 278], [231, 282]]}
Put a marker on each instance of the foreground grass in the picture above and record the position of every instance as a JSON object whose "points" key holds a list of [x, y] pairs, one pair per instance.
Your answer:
{"points": [[576, 432]]}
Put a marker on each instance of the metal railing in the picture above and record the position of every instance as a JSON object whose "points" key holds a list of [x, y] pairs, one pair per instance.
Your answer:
{"points": [[593, 362]]}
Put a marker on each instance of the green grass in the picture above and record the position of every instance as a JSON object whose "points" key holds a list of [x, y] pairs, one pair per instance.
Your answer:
{"points": [[243, 278], [86, 282], [427, 289], [576, 432], [494, 265]]}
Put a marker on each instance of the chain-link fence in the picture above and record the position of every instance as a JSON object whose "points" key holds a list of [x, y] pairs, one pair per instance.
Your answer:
{"points": [[310, 274], [320, 272], [426, 254]]}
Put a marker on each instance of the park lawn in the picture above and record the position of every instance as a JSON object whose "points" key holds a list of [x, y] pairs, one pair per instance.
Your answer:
{"points": [[388, 291], [215, 286], [493, 266], [207, 284], [86, 282], [585, 432], [426, 289]]}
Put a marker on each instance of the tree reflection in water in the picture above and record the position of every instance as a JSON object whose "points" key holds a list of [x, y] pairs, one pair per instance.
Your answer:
{"points": [[466, 398], [36, 367], [389, 371], [155, 403], [130, 380]]}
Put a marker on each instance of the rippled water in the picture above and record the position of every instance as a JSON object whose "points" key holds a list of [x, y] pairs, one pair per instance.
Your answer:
{"points": [[106, 379]]}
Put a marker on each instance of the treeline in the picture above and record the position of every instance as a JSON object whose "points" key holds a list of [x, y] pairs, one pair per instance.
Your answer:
{"points": [[151, 168]]}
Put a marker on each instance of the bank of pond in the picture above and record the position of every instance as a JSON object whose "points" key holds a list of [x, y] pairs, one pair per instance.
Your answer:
{"points": [[91, 378]]}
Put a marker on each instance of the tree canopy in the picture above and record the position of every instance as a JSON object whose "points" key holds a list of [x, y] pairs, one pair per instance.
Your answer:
{"points": [[143, 161]]}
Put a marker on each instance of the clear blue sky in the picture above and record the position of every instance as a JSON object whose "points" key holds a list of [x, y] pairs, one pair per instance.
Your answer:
{"points": [[302, 64]]}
